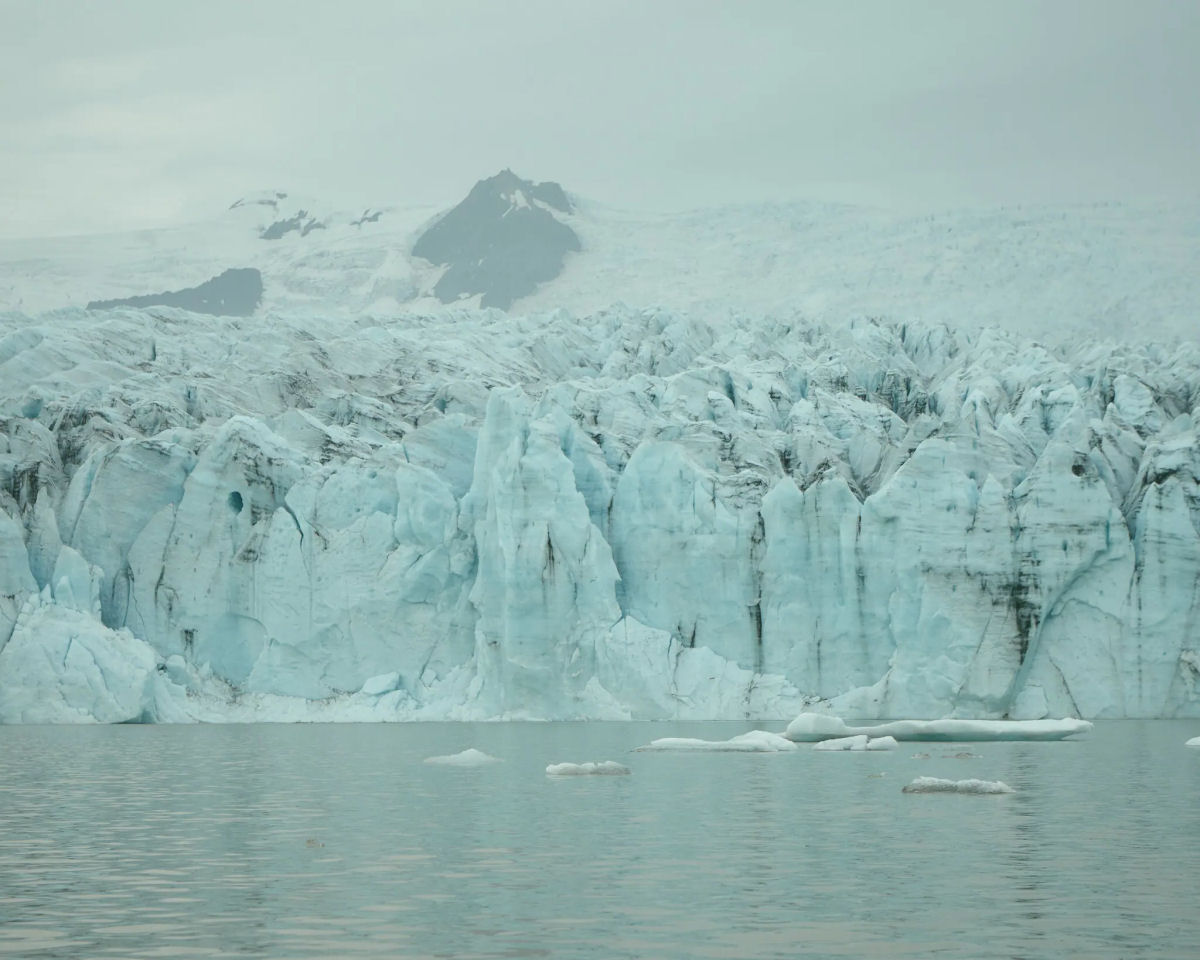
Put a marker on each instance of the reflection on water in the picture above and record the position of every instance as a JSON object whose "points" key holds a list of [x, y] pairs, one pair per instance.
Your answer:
{"points": [[337, 841]]}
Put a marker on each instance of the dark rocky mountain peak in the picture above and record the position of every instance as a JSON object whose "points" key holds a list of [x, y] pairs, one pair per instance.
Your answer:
{"points": [[235, 293], [501, 241]]}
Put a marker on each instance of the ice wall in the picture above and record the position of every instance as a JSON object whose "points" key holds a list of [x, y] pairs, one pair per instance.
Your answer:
{"points": [[632, 513]]}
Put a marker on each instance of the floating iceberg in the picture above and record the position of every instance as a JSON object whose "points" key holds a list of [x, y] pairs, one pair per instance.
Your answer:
{"points": [[860, 742], [756, 741], [467, 758], [839, 744], [936, 785], [1194, 742], [603, 768], [811, 727]]}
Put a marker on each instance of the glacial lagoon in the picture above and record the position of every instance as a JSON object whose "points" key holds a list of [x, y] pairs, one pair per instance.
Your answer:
{"points": [[302, 841]]}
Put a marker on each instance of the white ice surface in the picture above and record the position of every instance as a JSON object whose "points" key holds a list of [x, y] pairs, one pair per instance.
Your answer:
{"points": [[1043, 271], [466, 758], [859, 742], [600, 768], [813, 727], [63, 666], [755, 741], [936, 785], [1194, 742]]}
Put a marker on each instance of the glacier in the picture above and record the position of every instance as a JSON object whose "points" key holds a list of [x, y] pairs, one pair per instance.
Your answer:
{"points": [[456, 513]]}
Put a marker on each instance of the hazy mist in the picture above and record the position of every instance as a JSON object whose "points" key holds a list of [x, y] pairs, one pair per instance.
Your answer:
{"points": [[134, 113]]}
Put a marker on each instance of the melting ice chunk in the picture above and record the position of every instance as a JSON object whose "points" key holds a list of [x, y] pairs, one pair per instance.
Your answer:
{"points": [[756, 741], [603, 768], [859, 742], [838, 744], [1194, 742], [937, 785], [467, 758], [810, 727]]}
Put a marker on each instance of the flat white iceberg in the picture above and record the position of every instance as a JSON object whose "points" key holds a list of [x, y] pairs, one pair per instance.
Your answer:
{"points": [[841, 744], [860, 742], [756, 741], [937, 785], [810, 728], [467, 758], [608, 768], [1194, 742]]}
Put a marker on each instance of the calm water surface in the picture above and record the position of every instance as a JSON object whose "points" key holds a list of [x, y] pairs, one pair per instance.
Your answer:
{"points": [[337, 841]]}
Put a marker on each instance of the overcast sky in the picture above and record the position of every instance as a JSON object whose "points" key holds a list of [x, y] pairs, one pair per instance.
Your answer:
{"points": [[128, 113]]}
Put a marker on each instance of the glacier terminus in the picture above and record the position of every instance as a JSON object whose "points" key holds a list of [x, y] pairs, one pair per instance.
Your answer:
{"points": [[446, 511]]}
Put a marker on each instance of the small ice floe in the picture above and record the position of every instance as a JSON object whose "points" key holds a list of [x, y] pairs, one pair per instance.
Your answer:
{"points": [[859, 742], [936, 785], [756, 741], [1194, 742], [608, 768], [468, 758], [961, 755], [814, 727], [920, 756]]}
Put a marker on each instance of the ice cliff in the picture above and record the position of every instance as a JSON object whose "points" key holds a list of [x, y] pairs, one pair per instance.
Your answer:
{"points": [[628, 513]]}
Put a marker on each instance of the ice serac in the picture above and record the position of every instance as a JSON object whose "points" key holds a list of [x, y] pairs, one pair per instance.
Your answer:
{"points": [[61, 665], [630, 514], [544, 581]]}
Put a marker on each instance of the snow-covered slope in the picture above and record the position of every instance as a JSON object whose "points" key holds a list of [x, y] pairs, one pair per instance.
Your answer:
{"points": [[1051, 273], [345, 262], [1130, 270], [630, 512]]}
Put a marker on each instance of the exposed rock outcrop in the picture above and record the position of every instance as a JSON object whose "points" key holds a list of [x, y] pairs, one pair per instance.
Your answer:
{"points": [[504, 239], [235, 293]]}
